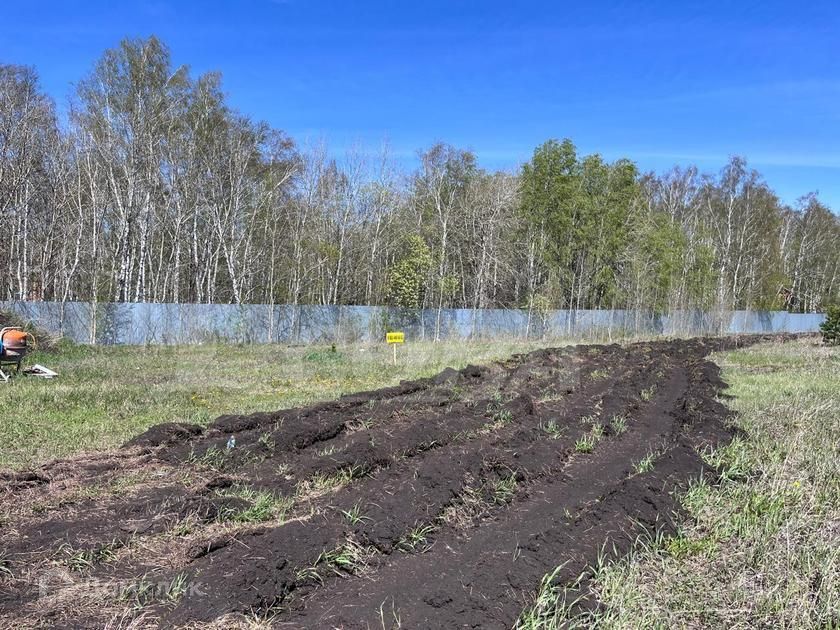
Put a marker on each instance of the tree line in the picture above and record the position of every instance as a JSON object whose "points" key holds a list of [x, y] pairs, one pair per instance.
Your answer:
{"points": [[153, 188]]}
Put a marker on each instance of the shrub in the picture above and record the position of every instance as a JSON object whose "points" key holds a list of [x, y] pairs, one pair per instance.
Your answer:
{"points": [[831, 326]]}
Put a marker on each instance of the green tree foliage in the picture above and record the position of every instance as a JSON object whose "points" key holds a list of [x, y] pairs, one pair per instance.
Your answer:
{"points": [[407, 276], [663, 270], [583, 206], [655, 258], [831, 326]]}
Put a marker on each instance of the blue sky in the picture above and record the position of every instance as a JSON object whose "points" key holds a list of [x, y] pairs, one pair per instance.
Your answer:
{"points": [[658, 82]]}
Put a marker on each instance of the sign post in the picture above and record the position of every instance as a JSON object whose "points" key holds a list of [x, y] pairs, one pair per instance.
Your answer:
{"points": [[394, 338]]}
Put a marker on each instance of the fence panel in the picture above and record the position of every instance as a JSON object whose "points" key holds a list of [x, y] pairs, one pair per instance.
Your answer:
{"points": [[146, 323]]}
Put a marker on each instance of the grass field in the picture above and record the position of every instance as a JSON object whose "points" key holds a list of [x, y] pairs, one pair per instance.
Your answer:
{"points": [[761, 549], [105, 395]]}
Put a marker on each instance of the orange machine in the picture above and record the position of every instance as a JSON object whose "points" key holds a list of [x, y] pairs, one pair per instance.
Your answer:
{"points": [[14, 344]]}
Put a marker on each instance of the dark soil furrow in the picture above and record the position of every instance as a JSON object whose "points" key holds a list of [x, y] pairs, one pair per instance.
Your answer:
{"points": [[515, 450], [572, 490]]}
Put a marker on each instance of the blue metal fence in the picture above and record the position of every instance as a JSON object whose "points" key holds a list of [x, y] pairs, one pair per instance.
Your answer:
{"points": [[146, 323]]}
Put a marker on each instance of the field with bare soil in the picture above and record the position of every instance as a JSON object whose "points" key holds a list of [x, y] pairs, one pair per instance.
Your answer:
{"points": [[440, 502]]}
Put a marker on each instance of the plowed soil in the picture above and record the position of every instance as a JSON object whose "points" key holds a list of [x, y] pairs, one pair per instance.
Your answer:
{"points": [[438, 503]]}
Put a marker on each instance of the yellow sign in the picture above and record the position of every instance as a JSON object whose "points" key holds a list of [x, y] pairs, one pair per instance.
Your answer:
{"points": [[395, 337]]}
